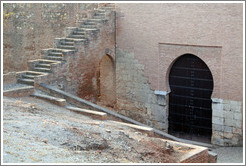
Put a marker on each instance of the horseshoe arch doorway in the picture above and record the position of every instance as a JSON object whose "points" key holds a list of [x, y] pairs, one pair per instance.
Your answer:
{"points": [[190, 104]]}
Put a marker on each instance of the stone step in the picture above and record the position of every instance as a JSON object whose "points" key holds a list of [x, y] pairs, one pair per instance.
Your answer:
{"points": [[60, 51], [29, 76], [75, 39], [90, 23], [96, 20], [41, 69], [53, 58], [26, 76], [100, 11], [69, 43], [43, 65], [68, 47], [79, 32], [35, 73], [45, 61], [88, 26], [26, 81], [93, 114], [88, 29], [76, 36], [55, 100], [56, 50], [56, 54]]}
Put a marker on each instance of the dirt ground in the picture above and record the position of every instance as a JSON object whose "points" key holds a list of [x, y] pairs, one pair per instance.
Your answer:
{"points": [[35, 131]]}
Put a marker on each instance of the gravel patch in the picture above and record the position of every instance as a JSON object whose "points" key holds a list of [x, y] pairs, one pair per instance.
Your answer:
{"points": [[35, 131]]}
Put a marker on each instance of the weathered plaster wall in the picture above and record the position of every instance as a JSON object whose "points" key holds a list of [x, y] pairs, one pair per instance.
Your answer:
{"points": [[30, 27]]}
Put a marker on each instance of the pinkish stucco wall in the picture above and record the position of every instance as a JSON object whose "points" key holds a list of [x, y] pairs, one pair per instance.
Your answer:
{"points": [[151, 36], [141, 27]]}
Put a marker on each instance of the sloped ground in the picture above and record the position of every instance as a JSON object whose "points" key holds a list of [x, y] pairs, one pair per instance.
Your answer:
{"points": [[37, 131]]}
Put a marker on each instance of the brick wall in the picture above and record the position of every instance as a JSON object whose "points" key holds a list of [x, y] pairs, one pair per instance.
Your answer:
{"points": [[156, 34]]}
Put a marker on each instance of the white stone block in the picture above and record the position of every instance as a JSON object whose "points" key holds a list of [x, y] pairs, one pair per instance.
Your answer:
{"points": [[235, 140], [237, 116], [236, 106], [228, 129], [162, 125], [217, 127], [218, 110], [152, 98], [161, 100], [159, 113], [228, 115], [229, 122], [217, 106], [237, 123], [227, 107], [218, 120]]}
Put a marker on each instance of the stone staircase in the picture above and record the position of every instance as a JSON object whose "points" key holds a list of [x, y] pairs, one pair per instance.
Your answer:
{"points": [[74, 35]]}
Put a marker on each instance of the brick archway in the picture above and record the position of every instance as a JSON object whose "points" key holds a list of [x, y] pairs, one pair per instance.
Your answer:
{"points": [[106, 82]]}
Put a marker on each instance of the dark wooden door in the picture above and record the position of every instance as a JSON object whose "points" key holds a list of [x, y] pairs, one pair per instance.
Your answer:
{"points": [[190, 105]]}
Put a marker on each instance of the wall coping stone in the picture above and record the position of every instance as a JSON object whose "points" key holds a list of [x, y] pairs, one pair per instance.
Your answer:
{"points": [[216, 100], [162, 93]]}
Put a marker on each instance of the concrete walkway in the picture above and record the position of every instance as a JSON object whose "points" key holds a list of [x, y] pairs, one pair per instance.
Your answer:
{"points": [[229, 154]]}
